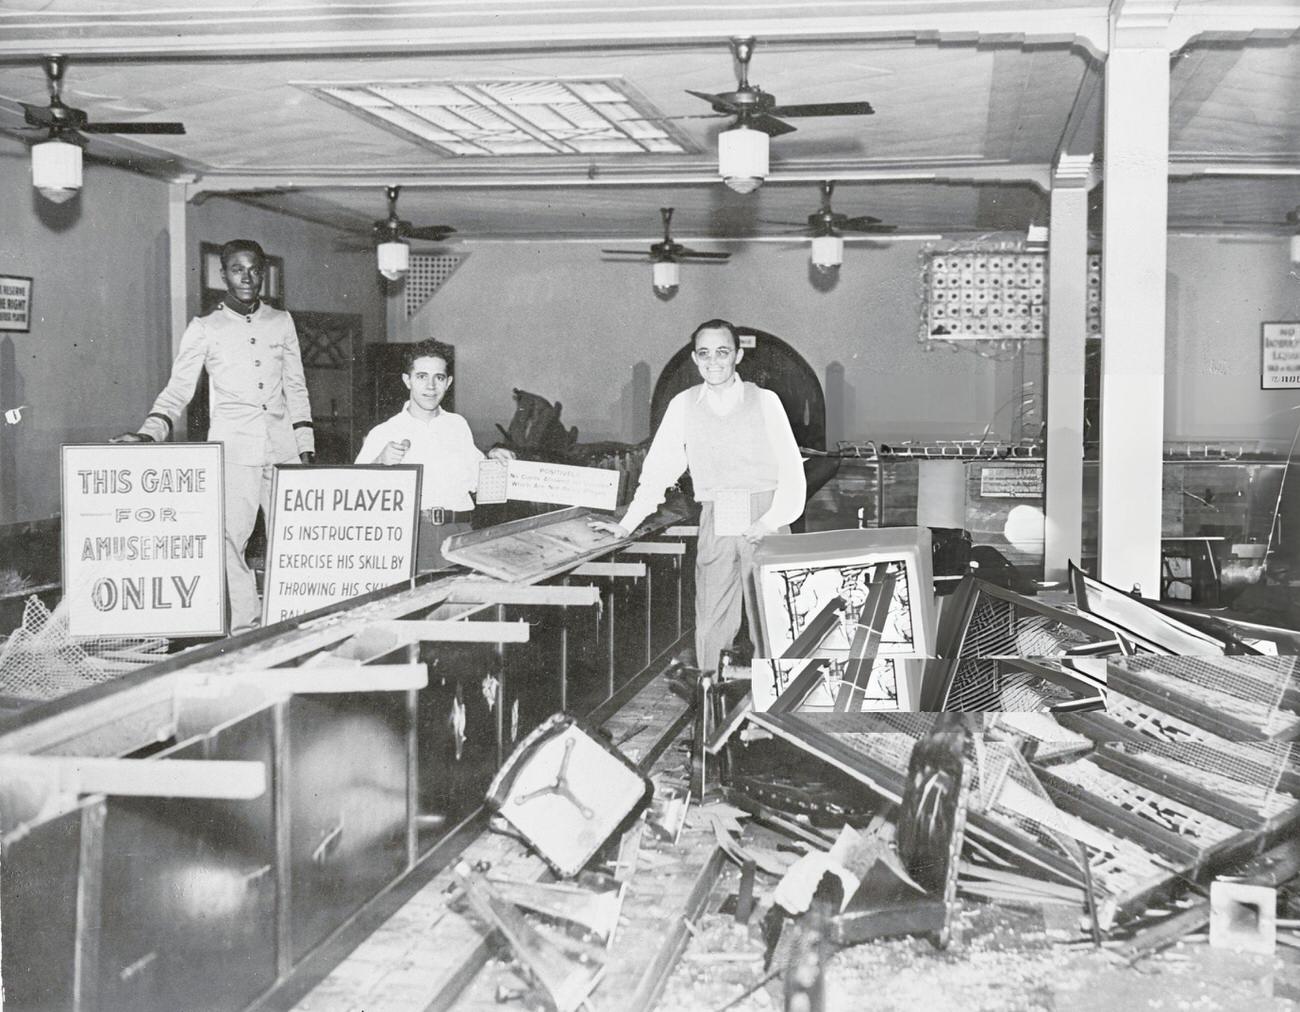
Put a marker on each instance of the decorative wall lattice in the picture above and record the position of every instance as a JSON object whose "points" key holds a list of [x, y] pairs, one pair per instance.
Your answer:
{"points": [[427, 273]]}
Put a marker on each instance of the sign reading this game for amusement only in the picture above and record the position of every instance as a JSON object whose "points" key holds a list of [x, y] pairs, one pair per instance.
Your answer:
{"points": [[336, 532], [143, 539]]}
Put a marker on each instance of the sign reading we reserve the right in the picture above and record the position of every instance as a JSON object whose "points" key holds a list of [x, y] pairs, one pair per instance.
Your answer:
{"points": [[1281, 362]]}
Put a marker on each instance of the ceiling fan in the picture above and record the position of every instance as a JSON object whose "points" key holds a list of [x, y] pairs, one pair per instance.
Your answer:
{"points": [[56, 161], [743, 147], [388, 237], [666, 256], [64, 122], [825, 226]]}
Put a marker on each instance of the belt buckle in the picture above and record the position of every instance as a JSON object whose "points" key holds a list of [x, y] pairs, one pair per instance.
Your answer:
{"points": [[437, 516]]}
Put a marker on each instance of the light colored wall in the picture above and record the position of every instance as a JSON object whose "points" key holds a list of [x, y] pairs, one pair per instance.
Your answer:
{"points": [[558, 320], [98, 346], [1220, 289]]}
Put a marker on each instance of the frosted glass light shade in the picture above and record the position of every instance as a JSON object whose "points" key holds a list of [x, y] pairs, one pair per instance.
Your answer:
{"points": [[56, 170], [394, 259], [1295, 249], [742, 158], [667, 273], [827, 252]]}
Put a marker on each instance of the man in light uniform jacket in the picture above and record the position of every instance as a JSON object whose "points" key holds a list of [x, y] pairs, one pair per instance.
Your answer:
{"points": [[736, 441], [258, 403]]}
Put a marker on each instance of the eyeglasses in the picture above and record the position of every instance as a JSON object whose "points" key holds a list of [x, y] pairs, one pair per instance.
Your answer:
{"points": [[717, 355]]}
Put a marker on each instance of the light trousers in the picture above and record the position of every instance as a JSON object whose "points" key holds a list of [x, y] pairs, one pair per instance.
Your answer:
{"points": [[248, 487], [723, 586]]}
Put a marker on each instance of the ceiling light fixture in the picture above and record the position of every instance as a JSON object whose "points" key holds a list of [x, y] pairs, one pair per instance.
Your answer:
{"points": [[743, 158], [667, 275], [56, 170], [394, 259], [827, 252]]}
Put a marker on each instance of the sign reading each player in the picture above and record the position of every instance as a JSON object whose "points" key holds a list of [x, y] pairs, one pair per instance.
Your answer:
{"points": [[143, 539], [337, 532]]}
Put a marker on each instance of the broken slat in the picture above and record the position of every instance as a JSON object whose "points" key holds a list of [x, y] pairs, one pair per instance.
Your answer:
{"points": [[326, 678], [493, 592], [158, 778], [620, 569], [454, 631]]}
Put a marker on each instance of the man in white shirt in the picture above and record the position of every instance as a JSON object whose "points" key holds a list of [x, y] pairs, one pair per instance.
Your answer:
{"points": [[258, 402], [424, 433], [736, 441]]}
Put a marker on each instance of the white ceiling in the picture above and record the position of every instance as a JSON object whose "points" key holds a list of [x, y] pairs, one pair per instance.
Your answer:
{"points": [[974, 102]]}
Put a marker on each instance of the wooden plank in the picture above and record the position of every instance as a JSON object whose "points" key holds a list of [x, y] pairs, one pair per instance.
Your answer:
{"points": [[322, 678], [683, 531], [454, 631], [492, 592], [163, 778], [635, 570], [653, 548]]}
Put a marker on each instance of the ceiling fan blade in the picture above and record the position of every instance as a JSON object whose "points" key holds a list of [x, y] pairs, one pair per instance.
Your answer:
{"points": [[770, 125], [626, 252], [861, 221], [824, 109], [787, 224], [869, 229], [717, 101], [435, 232], [692, 254], [38, 115], [133, 128]]}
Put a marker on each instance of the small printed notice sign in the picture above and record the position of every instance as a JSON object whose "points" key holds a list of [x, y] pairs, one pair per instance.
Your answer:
{"points": [[539, 481], [144, 539], [337, 532], [1281, 364], [1011, 481]]}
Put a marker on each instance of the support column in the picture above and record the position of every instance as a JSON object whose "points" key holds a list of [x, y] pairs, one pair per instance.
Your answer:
{"points": [[1067, 297], [1133, 290], [177, 276]]}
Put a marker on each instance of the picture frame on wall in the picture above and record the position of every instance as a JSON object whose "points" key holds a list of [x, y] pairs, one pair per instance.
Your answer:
{"points": [[272, 278], [1279, 349], [15, 304]]}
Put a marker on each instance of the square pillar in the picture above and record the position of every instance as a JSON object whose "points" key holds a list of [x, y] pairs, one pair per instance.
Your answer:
{"points": [[1067, 299], [1133, 312]]}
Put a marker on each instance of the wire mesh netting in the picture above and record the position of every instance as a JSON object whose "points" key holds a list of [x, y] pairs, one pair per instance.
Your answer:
{"points": [[999, 627], [1246, 773], [1243, 688], [980, 684], [40, 660]]}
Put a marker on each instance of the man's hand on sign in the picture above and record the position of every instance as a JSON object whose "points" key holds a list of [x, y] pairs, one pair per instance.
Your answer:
{"points": [[394, 452], [609, 527], [756, 532], [501, 453], [132, 437]]}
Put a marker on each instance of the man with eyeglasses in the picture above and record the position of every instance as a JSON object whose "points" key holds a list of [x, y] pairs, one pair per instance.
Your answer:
{"points": [[736, 441]]}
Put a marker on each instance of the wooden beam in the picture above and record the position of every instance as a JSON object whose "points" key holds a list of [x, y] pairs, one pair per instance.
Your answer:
{"points": [[329, 678], [454, 631], [161, 778], [622, 569], [494, 592], [654, 548]]}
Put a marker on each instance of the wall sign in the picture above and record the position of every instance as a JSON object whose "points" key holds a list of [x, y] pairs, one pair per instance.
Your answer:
{"points": [[1014, 482], [336, 532], [143, 539], [1280, 347], [15, 303]]}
